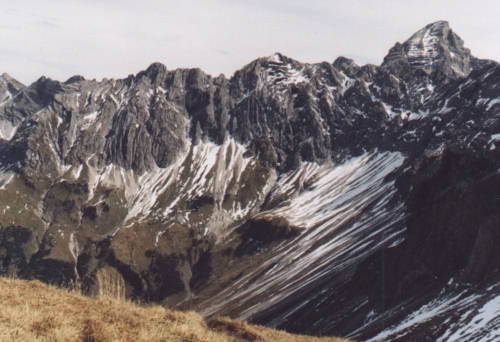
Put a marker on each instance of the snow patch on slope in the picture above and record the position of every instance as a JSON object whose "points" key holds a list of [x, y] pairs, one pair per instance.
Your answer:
{"points": [[283, 74], [463, 318], [343, 206], [205, 168], [481, 325], [7, 130]]}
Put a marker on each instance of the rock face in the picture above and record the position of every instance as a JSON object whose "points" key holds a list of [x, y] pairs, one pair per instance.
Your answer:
{"points": [[434, 48], [319, 198]]}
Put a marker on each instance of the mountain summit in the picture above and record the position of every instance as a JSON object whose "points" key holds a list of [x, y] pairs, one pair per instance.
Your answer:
{"points": [[434, 47], [9, 87], [326, 198]]}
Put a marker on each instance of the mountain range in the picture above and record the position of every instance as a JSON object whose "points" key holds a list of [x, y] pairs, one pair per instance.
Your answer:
{"points": [[325, 199]]}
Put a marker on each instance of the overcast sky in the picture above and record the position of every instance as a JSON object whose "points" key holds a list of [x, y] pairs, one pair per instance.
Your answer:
{"points": [[113, 38]]}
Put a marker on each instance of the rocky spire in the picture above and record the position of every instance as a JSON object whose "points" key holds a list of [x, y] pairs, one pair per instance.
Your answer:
{"points": [[434, 47]]}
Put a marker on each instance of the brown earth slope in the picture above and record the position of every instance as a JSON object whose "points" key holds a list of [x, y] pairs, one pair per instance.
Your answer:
{"points": [[32, 311]]}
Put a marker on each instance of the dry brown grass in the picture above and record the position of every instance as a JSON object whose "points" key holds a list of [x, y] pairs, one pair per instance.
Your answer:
{"points": [[32, 311], [110, 283]]}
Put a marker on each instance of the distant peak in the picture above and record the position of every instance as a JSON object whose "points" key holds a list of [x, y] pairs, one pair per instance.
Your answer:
{"points": [[154, 71], [156, 66], [343, 61], [429, 36], [438, 24], [74, 79], [433, 47], [346, 65], [9, 79], [276, 57], [276, 60]]}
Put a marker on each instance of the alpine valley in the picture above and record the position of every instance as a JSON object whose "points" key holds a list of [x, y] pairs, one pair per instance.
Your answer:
{"points": [[323, 199]]}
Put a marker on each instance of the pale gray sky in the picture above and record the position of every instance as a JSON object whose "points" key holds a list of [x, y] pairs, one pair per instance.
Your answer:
{"points": [[113, 38]]}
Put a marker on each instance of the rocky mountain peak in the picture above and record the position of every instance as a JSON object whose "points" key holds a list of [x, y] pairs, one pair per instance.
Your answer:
{"points": [[342, 61], [346, 65], [276, 70], [277, 57], [434, 47], [5, 77], [74, 79], [9, 87], [155, 71], [44, 89]]}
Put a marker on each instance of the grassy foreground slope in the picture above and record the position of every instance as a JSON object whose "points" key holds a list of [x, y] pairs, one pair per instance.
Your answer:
{"points": [[32, 311]]}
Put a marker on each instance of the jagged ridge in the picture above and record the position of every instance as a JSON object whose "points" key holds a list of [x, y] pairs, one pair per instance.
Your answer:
{"points": [[172, 178]]}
